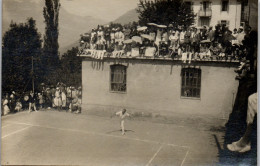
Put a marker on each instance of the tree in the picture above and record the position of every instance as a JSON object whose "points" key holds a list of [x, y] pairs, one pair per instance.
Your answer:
{"points": [[71, 68], [21, 43], [165, 12], [51, 45]]}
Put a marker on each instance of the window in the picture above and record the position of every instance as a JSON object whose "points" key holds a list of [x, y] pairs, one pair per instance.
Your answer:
{"points": [[224, 5], [189, 4], [191, 82], [205, 5], [118, 78]]}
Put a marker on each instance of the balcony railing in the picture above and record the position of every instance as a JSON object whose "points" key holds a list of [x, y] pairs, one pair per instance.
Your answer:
{"points": [[205, 13]]}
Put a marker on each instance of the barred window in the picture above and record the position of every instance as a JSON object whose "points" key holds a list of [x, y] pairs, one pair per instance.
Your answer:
{"points": [[191, 82], [118, 78]]}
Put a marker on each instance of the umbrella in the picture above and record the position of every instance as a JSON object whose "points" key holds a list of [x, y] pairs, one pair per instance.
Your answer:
{"points": [[128, 41], [142, 28], [162, 26], [152, 24], [205, 41], [137, 39], [147, 37]]}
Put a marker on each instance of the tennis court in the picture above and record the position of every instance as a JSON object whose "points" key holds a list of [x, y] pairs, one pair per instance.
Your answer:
{"points": [[59, 138]]}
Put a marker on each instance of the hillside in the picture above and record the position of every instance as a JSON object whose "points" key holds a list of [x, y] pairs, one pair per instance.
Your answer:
{"points": [[70, 25], [129, 16]]}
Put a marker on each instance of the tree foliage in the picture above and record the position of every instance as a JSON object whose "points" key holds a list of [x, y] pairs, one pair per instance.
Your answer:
{"points": [[165, 12], [71, 67], [51, 45], [20, 43]]}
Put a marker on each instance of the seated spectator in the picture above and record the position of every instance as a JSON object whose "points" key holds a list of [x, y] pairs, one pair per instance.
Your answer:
{"points": [[222, 51], [244, 143], [135, 49], [18, 106]]}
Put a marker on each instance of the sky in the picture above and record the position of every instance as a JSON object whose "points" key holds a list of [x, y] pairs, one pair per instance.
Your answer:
{"points": [[104, 9]]}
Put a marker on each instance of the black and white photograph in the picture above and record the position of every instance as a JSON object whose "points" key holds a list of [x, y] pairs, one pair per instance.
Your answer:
{"points": [[129, 82]]}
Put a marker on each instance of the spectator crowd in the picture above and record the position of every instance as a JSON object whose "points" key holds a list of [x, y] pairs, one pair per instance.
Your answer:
{"points": [[153, 40], [58, 97]]}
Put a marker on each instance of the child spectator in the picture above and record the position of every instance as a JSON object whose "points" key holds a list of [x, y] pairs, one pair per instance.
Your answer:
{"points": [[40, 99], [18, 106]]}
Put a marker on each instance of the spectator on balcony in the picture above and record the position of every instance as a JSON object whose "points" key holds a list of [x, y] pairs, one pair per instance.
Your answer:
{"points": [[158, 38], [165, 36], [100, 32], [93, 34], [112, 35], [240, 35], [211, 34], [119, 38], [173, 41], [107, 37], [187, 39], [182, 36], [235, 32], [196, 40], [127, 32]]}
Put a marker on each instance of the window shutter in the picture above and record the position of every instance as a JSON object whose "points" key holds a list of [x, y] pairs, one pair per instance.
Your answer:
{"points": [[210, 4], [201, 5]]}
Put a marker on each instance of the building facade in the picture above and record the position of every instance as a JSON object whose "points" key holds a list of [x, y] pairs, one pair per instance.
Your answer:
{"points": [[213, 12], [159, 86]]}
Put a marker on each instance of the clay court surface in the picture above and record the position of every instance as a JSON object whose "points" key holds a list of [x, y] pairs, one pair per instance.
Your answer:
{"points": [[60, 138]]}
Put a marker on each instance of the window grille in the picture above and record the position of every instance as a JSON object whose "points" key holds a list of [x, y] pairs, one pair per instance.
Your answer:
{"points": [[191, 82], [118, 78]]}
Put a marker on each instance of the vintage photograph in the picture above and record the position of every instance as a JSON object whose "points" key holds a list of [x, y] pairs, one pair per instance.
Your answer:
{"points": [[129, 82]]}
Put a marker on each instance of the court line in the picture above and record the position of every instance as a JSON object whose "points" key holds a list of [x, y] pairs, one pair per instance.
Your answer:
{"points": [[155, 154], [15, 132], [100, 134], [185, 157], [6, 125]]}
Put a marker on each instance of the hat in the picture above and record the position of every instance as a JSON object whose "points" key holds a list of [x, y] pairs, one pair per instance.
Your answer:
{"points": [[241, 27]]}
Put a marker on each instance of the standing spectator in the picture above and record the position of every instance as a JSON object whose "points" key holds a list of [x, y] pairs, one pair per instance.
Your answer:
{"points": [[182, 37], [57, 100], [63, 99], [211, 35], [40, 98], [12, 102], [48, 98], [196, 40], [32, 102], [6, 109], [240, 35]]}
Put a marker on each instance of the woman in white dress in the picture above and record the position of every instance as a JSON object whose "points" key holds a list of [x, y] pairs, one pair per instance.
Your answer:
{"points": [[63, 99], [57, 99]]}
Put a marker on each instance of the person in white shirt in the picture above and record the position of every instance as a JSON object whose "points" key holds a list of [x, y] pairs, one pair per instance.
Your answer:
{"points": [[122, 114]]}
